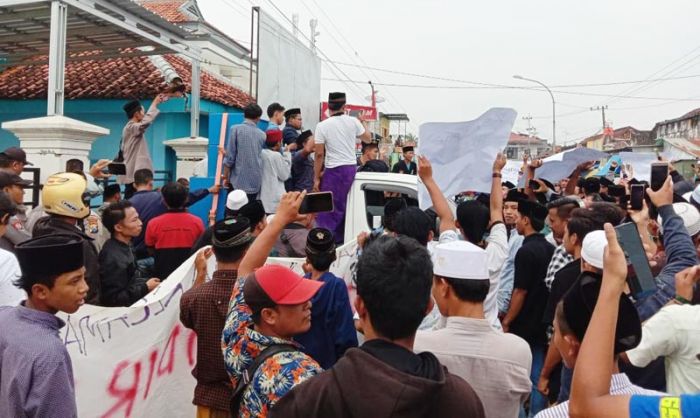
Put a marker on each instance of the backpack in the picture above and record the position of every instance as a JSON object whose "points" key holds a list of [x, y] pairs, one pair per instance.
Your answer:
{"points": [[248, 373]]}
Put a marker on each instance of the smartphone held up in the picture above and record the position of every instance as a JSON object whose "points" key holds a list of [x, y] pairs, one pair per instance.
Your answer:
{"points": [[317, 202]]}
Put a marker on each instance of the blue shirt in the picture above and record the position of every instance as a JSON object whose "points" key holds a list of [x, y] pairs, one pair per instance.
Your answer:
{"points": [[289, 135], [680, 254], [37, 374], [244, 157], [505, 282], [684, 406], [332, 328]]}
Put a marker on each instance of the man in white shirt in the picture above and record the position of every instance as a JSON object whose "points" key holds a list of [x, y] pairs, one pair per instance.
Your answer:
{"points": [[335, 163], [573, 314], [674, 333], [496, 364], [276, 169], [10, 295], [474, 220]]}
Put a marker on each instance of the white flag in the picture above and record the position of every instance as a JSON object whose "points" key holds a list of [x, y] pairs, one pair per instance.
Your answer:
{"points": [[462, 153]]}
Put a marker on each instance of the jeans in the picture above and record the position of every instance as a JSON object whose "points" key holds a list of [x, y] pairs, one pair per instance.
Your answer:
{"points": [[565, 385], [538, 401]]}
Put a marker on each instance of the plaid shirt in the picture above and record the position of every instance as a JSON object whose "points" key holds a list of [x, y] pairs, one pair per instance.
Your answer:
{"points": [[203, 309], [241, 344], [559, 260], [244, 156]]}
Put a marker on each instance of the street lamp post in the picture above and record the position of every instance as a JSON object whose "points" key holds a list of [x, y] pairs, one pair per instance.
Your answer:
{"points": [[554, 109]]}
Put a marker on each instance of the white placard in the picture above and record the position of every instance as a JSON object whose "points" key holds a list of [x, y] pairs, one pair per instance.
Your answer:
{"points": [[640, 162], [462, 153]]}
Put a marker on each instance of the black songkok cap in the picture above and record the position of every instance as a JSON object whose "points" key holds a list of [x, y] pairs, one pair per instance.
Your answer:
{"points": [[532, 210], [407, 148], [302, 137], [292, 112], [50, 255], [337, 97], [580, 301], [515, 196], [320, 241], [254, 211], [231, 232]]}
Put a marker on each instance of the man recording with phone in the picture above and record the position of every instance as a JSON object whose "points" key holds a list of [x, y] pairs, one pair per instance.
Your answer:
{"points": [[680, 252]]}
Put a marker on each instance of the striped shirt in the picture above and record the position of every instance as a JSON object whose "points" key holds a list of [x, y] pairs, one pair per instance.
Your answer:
{"points": [[243, 157], [619, 385]]}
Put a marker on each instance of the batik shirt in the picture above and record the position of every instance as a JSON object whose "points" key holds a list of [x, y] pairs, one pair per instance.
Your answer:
{"points": [[241, 344]]}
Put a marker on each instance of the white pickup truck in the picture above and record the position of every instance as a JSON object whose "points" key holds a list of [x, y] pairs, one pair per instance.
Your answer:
{"points": [[368, 196]]}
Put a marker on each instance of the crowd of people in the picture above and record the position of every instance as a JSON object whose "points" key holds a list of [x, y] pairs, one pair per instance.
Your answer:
{"points": [[515, 304]]}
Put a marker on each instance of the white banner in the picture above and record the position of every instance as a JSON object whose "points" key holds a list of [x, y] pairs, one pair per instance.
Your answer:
{"points": [[462, 153], [137, 361]]}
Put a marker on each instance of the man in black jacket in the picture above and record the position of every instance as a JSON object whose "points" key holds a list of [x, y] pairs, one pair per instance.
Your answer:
{"points": [[121, 285], [62, 197]]}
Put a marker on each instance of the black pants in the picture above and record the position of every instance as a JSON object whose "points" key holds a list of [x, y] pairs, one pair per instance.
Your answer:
{"points": [[129, 191]]}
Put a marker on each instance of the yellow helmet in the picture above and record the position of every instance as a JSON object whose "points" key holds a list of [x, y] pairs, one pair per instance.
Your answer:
{"points": [[63, 195]]}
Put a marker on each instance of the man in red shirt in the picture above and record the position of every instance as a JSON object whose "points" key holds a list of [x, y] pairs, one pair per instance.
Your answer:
{"points": [[171, 235]]}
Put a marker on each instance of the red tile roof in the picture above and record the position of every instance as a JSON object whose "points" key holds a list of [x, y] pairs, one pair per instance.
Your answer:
{"points": [[168, 10], [113, 78], [212, 87], [523, 139]]}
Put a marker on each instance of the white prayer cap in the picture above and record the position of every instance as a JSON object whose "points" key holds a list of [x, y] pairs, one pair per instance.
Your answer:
{"points": [[593, 248], [460, 260], [695, 195], [236, 200], [690, 216]]}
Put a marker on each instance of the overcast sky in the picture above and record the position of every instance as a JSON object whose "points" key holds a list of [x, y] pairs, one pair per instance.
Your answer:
{"points": [[556, 42]]}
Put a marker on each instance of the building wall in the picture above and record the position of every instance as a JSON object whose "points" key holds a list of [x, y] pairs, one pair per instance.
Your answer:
{"points": [[595, 144], [173, 122], [516, 152], [687, 129]]}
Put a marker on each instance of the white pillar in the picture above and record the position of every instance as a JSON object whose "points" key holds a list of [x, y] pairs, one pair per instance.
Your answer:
{"points": [[189, 151], [50, 141], [57, 58], [194, 106]]}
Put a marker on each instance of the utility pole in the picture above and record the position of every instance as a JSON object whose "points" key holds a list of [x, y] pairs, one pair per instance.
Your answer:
{"points": [[531, 131], [602, 110]]}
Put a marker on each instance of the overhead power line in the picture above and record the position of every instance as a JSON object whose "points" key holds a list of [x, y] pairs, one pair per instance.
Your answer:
{"points": [[507, 87], [486, 84]]}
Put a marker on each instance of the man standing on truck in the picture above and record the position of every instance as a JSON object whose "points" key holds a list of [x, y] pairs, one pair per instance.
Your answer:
{"points": [[407, 165], [335, 164]]}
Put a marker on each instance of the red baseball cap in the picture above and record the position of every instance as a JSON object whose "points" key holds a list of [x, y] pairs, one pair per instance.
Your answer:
{"points": [[280, 285]]}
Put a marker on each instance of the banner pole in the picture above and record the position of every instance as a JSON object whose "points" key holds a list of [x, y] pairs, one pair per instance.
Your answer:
{"points": [[219, 163]]}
